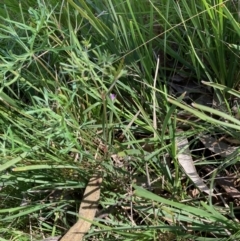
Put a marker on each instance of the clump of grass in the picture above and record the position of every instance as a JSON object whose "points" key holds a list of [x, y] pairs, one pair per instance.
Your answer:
{"points": [[210, 31], [80, 78]]}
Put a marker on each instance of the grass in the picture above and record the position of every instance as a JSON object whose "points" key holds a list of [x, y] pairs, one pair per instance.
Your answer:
{"points": [[84, 82]]}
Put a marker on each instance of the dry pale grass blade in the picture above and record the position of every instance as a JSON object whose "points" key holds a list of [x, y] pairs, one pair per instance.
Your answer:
{"points": [[154, 98], [186, 161], [216, 146], [87, 211]]}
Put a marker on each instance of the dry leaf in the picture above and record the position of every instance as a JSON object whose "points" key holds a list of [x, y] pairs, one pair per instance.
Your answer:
{"points": [[216, 146], [87, 211], [226, 183], [186, 161]]}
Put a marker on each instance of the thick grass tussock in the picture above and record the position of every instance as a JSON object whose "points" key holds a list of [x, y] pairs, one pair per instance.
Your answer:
{"points": [[119, 120]]}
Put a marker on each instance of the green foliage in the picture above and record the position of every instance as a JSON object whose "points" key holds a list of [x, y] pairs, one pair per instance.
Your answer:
{"points": [[210, 29], [75, 74]]}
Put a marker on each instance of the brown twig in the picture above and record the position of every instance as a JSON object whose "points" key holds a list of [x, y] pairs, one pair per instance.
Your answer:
{"points": [[87, 211]]}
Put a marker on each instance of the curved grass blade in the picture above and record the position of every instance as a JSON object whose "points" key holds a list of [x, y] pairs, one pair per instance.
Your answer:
{"points": [[13, 161], [203, 116]]}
